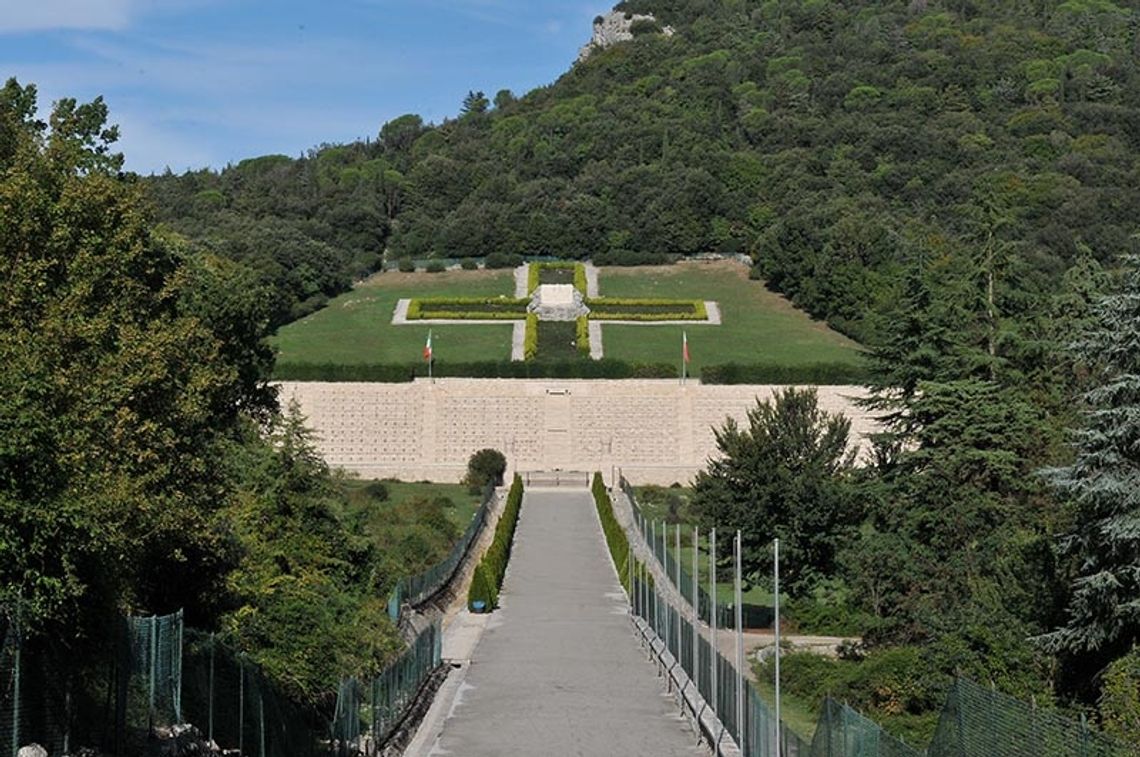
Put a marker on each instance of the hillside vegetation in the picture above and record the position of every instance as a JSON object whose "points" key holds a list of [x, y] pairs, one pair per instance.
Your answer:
{"points": [[832, 141]]}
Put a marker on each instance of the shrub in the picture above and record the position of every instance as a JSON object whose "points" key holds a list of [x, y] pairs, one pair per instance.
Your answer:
{"points": [[467, 308], [530, 340], [377, 491], [503, 260], [533, 277], [469, 264], [612, 309], [480, 590], [583, 336], [406, 265], [436, 266], [484, 467], [581, 283], [616, 539], [493, 566]]}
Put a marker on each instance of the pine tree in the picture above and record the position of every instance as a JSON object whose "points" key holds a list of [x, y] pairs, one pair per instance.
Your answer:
{"points": [[1103, 483]]}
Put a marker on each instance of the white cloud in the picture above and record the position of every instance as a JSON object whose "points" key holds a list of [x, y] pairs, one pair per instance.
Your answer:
{"points": [[41, 15]]}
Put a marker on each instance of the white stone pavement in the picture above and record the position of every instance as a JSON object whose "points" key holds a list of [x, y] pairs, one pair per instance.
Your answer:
{"points": [[556, 670]]}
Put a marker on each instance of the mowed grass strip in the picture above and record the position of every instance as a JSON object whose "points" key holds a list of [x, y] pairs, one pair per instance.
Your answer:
{"points": [[356, 328], [758, 326]]}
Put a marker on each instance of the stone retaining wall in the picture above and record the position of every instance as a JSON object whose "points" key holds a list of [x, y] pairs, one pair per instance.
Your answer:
{"points": [[655, 431]]}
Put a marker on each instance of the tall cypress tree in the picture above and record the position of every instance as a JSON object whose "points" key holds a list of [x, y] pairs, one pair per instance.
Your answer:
{"points": [[1103, 484]]}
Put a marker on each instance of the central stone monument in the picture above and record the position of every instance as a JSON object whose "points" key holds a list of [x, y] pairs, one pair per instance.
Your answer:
{"points": [[557, 302]]}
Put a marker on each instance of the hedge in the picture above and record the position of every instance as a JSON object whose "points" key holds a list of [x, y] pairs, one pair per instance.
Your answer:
{"points": [[488, 577], [583, 336], [609, 309], [534, 274], [812, 373], [822, 374], [421, 308], [616, 539], [530, 339]]}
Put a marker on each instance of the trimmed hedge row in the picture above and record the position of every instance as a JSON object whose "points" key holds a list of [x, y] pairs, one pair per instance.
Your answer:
{"points": [[530, 340], [500, 308], [823, 374], [583, 336], [610, 309], [488, 577], [616, 539], [534, 274]]}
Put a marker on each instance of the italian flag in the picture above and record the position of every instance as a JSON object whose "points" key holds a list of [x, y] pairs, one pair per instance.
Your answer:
{"points": [[427, 348], [685, 347]]}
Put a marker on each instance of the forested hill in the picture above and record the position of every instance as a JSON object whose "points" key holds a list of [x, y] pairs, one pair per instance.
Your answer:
{"points": [[832, 141]]}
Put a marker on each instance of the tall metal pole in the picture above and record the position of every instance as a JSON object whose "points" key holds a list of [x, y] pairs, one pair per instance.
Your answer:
{"points": [[677, 583], [696, 667], [712, 617], [736, 599], [776, 603]]}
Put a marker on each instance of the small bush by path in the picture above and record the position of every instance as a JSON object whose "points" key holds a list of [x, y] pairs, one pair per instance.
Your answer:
{"points": [[616, 540], [488, 577]]}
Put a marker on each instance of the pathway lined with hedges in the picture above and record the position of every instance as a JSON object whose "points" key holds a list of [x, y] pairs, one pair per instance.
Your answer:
{"points": [[557, 670]]}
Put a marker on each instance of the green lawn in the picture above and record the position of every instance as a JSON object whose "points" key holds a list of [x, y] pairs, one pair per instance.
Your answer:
{"points": [[758, 327], [797, 713], [401, 491], [357, 327]]}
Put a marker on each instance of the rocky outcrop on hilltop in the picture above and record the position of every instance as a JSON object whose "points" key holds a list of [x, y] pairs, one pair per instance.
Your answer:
{"points": [[615, 27]]}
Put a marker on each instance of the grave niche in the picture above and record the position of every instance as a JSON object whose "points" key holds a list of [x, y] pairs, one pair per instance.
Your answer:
{"points": [[557, 302]]}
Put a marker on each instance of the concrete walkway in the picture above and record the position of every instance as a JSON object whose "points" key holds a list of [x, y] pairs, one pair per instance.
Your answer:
{"points": [[557, 670]]}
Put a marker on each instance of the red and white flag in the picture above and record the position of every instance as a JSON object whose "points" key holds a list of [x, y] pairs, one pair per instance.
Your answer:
{"points": [[427, 348], [685, 347]]}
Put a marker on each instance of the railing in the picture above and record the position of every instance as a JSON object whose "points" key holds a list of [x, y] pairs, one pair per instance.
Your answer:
{"points": [[417, 589]]}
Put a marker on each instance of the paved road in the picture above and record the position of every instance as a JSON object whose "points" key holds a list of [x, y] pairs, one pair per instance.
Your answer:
{"points": [[558, 671]]}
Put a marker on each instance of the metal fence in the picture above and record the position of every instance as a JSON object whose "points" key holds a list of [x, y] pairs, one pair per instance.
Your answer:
{"points": [[112, 696], [975, 720], [980, 720], [368, 713], [417, 589], [663, 540]]}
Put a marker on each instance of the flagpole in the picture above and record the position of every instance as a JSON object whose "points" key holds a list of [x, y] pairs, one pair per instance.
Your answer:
{"points": [[684, 366]]}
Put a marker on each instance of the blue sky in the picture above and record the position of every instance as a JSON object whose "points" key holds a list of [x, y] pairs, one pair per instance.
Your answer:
{"points": [[197, 83]]}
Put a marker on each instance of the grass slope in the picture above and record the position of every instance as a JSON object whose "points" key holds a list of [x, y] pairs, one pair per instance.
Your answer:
{"points": [[758, 327], [356, 328]]}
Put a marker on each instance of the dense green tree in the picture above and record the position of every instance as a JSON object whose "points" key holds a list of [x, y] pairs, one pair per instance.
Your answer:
{"points": [[120, 384], [786, 475], [1104, 542]]}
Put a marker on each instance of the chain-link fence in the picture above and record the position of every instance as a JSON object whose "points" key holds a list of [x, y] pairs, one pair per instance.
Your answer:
{"points": [[417, 589], [980, 720], [843, 732], [112, 695], [368, 713]]}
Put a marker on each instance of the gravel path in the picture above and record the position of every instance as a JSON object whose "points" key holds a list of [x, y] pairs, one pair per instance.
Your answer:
{"points": [[557, 670], [521, 277]]}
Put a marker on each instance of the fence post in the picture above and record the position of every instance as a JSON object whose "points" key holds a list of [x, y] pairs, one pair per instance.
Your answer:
{"points": [[776, 604], [261, 724], [153, 663], [16, 694], [712, 624], [241, 704], [696, 671], [210, 698], [737, 597]]}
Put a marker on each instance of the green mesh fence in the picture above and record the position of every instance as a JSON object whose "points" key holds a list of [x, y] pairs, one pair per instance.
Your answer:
{"points": [[367, 714], [418, 588], [112, 696], [843, 732], [155, 684], [979, 720], [232, 703], [974, 721]]}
